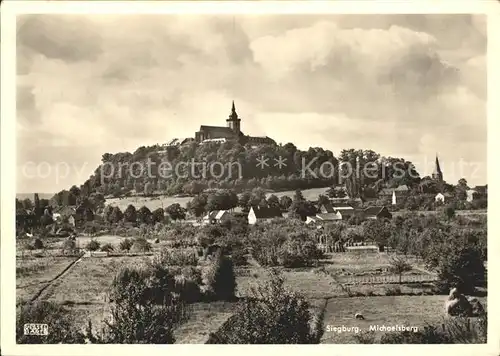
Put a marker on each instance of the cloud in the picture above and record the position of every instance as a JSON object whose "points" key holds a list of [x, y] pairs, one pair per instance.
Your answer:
{"points": [[409, 84], [59, 37]]}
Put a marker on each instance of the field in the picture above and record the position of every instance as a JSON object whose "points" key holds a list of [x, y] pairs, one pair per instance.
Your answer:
{"points": [[164, 201], [34, 273], [416, 311]]}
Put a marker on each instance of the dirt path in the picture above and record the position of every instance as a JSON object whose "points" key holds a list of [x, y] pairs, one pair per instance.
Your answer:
{"points": [[54, 280]]}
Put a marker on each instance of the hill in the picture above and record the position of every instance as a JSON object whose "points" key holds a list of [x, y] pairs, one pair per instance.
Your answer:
{"points": [[193, 167]]}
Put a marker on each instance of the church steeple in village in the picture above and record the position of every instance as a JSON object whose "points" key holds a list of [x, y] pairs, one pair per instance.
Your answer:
{"points": [[233, 122], [437, 175]]}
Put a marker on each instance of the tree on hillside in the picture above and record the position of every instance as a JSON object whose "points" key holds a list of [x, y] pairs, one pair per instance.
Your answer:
{"points": [[75, 191], [378, 230], [297, 197], [144, 215], [37, 207], [116, 215], [158, 215], [197, 206], [244, 200], [258, 194], [461, 189], [302, 209], [399, 265], [27, 204], [222, 200], [148, 189], [273, 202], [449, 211], [130, 214], [285, 202]]}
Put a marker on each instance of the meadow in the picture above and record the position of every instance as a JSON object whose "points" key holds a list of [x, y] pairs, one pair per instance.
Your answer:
{"points": [[83, 290]]}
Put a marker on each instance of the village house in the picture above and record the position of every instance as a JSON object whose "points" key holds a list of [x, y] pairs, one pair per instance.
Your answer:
{"points": [[322, 217], [263, 214], [377, 212], [75, 216], [399, 191], [471, 194], [216, 217], [442, 197], [348, 213], [439, 198]]}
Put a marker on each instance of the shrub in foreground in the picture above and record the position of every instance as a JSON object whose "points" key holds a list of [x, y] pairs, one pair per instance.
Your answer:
{"points": [[143, 311], [93, 245], [453, 331], [38, 244], [60, 327], [219, 278], [126, 245]]}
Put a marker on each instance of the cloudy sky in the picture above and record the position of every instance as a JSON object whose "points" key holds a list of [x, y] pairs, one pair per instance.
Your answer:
{"points": [[402, 85]]}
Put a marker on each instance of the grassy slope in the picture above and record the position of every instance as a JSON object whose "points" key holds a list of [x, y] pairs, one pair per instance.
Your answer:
{"points": [[164, 201]]}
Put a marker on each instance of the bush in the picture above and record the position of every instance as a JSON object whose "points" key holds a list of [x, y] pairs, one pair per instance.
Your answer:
{"points": [[93, 245], [430, 335], [399, 265], [187, 285], [449, 212], [273, 316], [365, 337], [462, 268], [453, 331], [107, 248], [69, 246], [140, 245], [219, 279], [136, 316], [238, 255], [59, 321], [38, 244], [392, 290], [126, 245]]}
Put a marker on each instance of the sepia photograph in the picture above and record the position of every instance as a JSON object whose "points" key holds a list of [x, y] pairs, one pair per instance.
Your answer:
{"points": [[248, 178]]}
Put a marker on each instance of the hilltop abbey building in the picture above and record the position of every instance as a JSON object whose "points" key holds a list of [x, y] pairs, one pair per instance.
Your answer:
{"points": [[232, 131]]}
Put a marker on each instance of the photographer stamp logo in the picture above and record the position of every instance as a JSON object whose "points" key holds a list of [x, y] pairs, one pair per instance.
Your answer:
{"points": [[36, 329]]}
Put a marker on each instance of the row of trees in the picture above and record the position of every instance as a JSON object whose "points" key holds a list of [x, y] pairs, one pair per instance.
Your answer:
{"points": [[143, 215]]}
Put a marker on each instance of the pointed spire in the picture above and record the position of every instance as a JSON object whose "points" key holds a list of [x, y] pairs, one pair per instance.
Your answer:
{"points": [[437, 174], [437, 168], [233, 115]]}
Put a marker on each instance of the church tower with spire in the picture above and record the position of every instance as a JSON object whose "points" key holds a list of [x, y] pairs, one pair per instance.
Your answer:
{"points": [[437, 174], [233, 122]]}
